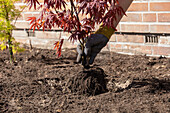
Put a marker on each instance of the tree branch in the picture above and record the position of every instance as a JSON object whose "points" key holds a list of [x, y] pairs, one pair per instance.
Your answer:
{"points": [[73, 7]]}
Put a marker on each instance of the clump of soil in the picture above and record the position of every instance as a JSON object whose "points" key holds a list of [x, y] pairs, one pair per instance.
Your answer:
{"points": [[88, 82]]}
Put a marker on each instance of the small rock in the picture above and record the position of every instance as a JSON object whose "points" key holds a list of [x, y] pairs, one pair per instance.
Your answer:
{"points": [[157, 66], [58, 110], [123, 85], [115, 86], [0, 75]]}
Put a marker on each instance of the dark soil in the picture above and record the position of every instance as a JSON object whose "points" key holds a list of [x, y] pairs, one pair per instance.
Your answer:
{"points": [[88, 82], [40, 83]]}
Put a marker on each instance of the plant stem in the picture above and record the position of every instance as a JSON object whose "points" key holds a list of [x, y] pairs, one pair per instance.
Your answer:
{"points": [[79, 28], [10, 51], [9, 34], [18, 16]]}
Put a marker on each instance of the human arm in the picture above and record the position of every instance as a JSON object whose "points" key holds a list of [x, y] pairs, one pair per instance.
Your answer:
{"points": [[101, 37]]}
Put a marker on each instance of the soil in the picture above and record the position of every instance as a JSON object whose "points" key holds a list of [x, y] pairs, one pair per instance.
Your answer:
{"points": [[38, 82]]}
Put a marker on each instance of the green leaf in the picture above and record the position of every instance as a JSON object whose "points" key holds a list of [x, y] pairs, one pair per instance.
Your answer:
{"points": [[20, 49], [2, 39], [3, 46], [14, 50]]}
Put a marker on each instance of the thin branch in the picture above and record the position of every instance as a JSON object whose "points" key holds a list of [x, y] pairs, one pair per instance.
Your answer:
{"points": [[72, 4], [18, 16], [73, 7]]}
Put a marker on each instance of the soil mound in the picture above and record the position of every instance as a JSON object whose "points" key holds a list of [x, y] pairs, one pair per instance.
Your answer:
{"points": [[88, 82], [41, 83]]}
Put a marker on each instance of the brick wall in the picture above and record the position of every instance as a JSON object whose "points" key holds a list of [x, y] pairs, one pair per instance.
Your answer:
{"points": [[143, 16]]}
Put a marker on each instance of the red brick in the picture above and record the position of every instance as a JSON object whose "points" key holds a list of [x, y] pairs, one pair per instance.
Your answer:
{"points": [[27, 15], [161, 50], [51, 35], [68, 44], [149, 17], [160, 6], [163, 17], [146, 49], [142, 49], [27, 9], [64, 35], [113, 38], [36, 15], [134, 28], [22, 25], [118, 27], [134, 49], [118, 46], [134, 46], [16, 33], [129, 51], [22, 40], [130, 38], [116, 50], [126, 46], [112, 45], [160, 28], [138, 7], [41, 1], [164, 40], [132, 17], [46, 35]]}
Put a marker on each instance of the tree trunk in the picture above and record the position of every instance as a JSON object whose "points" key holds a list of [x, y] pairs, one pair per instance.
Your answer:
{"points": [[10, 51]]}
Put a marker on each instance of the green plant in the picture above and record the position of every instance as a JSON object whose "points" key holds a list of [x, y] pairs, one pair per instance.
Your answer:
{"points": [[8, 14]]}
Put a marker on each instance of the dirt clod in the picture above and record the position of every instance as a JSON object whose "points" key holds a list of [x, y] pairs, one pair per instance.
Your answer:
{"points": [[88, 82]]}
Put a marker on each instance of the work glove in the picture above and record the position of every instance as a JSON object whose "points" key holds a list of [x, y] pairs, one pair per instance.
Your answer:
{"points": [[93, 46]]}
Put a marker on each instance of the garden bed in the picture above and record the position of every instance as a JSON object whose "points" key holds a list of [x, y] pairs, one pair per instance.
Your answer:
{"points": [[39, 82]]}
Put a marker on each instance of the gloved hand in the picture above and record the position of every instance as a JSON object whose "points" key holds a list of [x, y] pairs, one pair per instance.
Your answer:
{"points": [[93, 46]]}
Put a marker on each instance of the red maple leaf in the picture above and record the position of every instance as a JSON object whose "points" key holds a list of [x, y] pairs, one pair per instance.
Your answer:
{"points": [[58, 46]]}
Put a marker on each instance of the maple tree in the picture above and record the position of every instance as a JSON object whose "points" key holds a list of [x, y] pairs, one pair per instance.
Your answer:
{"points": [[65, 14]]}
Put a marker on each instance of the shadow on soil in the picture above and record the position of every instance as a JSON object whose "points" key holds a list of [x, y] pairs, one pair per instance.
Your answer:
{"points": [[154, 83]]}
